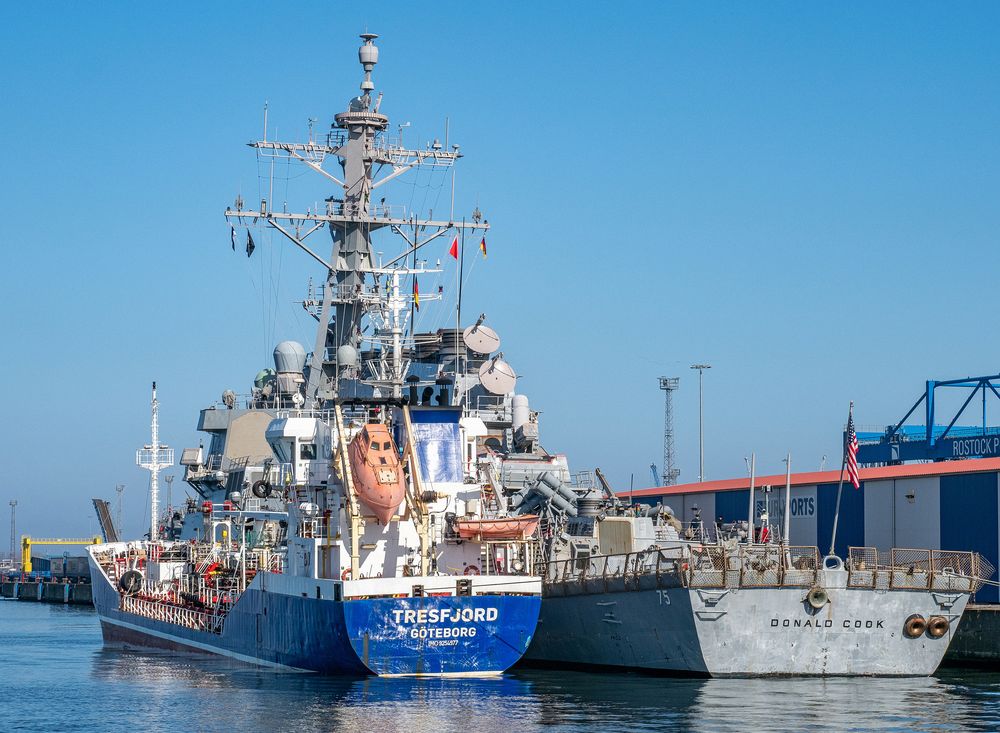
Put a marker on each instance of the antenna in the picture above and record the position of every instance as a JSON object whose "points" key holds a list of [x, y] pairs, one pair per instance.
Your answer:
{"points": [[120, 489], [481, 339], [153, 457], [169, 478], [497, 376], [670, 473], [13, 531]]}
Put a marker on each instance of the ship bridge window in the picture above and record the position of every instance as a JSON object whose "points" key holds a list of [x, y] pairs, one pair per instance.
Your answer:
{"points": [[283, 450], [307, 451], [387, 445]]}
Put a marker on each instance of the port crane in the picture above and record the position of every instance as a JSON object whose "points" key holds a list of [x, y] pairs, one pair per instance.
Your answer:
{"points": [[900, 443], [27, 543]]}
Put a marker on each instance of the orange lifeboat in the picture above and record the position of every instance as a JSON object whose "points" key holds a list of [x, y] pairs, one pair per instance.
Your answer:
{"points": [[507, 528], [378, 474]]}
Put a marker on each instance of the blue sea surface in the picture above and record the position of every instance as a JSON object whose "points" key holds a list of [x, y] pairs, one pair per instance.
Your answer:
{"points": [[55, 675]]}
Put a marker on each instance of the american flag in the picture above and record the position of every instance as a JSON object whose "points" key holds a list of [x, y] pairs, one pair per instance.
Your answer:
{"points": [[852, 452]]}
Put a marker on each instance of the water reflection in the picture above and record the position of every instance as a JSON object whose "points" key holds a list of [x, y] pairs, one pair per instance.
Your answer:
{"points": [[52, 657], [533, 699]]}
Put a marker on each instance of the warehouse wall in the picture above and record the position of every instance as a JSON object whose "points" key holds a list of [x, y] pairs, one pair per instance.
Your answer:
{"points": [[850, 526], [969, 520], [916, 513], [879, 513]]}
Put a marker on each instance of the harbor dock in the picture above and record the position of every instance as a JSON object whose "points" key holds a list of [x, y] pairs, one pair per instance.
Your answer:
{"points": [[47, 591]]}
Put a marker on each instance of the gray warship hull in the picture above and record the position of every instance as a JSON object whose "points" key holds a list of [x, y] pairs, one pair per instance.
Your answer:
{"points": [[680, 623]]}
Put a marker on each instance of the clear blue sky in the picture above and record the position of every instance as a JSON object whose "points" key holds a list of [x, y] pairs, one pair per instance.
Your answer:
{"points": [[803, 196]]}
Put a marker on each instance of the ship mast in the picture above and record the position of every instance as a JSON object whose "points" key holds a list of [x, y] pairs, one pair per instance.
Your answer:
{"points": [[354, 287], [154, 457]]}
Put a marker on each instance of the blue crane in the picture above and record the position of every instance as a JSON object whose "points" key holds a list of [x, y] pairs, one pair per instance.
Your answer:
{"points": [[900, 443]]}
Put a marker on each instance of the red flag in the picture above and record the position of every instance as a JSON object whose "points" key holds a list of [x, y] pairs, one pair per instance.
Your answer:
{"points": [[416, 294], [454, 248], [482, 247]]}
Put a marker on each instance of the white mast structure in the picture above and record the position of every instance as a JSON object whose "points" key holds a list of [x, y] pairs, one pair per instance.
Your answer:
{"points": [[154, 457]]}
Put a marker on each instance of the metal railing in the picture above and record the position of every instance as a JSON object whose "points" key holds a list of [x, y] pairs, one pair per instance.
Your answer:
{"points": [[762, 566], [168, 613], [697, 566], [902, 568]]}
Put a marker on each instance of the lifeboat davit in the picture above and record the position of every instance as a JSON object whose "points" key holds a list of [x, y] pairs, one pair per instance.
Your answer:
{"points": [[378, 474], [507, 528]]}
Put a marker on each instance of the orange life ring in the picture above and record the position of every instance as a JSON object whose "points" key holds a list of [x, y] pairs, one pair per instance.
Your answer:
{"points": [[471, 570], [346, 575]]}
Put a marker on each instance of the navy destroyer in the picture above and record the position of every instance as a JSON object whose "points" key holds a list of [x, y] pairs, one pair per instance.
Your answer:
{"points": [[632, 587], [349, 517]]}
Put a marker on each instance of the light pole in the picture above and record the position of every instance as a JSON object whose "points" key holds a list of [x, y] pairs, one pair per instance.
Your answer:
{"points": [[13, 532], [701, 418]]}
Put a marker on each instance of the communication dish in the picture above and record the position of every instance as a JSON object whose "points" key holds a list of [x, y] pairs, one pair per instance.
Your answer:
{"points": [[481, 339], [497, 376]]}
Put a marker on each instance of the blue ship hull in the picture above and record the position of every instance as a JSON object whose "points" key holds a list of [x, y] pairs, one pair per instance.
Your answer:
{"points": [[300, 624]]}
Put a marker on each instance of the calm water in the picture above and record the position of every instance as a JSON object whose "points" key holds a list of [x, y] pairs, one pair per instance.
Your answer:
{"points": [[55, 676]]}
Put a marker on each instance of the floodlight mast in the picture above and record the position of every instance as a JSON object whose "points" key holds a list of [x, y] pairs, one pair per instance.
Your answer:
{"points": [[358, 141], [670, 472]]}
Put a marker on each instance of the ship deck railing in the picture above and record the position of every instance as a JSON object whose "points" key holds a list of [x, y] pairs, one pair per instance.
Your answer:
{"points": [[491, 408], [696, 565], [905, 568], [170, 613]]}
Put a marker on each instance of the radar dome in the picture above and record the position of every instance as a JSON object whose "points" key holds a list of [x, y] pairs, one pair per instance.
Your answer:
{"points": [[289, 356], [347, 356], [263, 377]]}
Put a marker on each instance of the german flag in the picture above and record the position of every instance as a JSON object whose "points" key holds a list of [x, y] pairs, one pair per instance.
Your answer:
{"points": [[482, 246], [416, 294]]}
